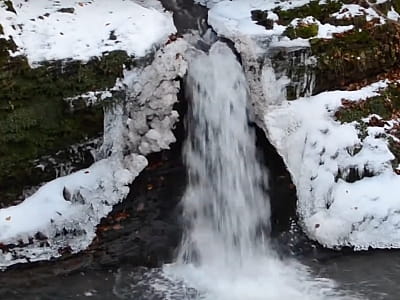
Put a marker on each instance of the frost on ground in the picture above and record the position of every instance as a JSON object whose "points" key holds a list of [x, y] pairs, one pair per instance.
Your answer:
{"points": [[57, 30], [61, 217]]}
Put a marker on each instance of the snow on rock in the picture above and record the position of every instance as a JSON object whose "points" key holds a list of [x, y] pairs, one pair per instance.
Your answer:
{"points": [[393, 15], [63, 214], [319, 152], [150, 118], [58, 30], [233, 18], [325, 31], [353, 10]]}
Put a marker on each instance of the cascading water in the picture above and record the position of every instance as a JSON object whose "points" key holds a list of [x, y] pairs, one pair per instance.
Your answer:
{"points": [[225, 205], [225, 252]]}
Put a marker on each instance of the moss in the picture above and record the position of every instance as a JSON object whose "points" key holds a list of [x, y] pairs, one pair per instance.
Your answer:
{"points": [[386, 105], [320, 11], [18, 81], [303, 30], [34, 118], [386, 6], [356, 55], [376, 105], [396, 5]]}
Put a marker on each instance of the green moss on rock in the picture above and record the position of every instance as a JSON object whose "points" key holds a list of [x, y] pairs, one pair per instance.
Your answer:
{"points": [[356, 55], [302, 30], [386, 6], [34, 118], [320, 11], [386, 106]]}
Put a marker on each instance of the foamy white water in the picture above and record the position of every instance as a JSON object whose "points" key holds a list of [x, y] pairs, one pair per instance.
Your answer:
{"points": [[225, 252]]}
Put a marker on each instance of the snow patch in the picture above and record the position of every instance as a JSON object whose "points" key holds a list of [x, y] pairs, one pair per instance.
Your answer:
{"points": [[57, 30], [393, 15], [320, 152], [64, 213], [233, 18], [353, 10]]}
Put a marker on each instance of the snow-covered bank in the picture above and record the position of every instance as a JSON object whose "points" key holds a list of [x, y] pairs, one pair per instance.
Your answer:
{"points": [[344, 173], [79, 30], [320, 153], [61, 217]]}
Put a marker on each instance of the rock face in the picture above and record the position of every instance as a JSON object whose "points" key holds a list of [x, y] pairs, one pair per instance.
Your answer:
{"points": [[341, 147], [72, 206], [36, 121], [49, 105], [46, 59]]}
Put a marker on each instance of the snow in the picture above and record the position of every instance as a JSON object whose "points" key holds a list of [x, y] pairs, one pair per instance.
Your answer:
{"points": [[90, 98], [325, 31], [42, 32], [315, 147], [352, 10], [233, 18], [67, 210], [393, 15], [319, 151], [230, 18], [73, 203]]}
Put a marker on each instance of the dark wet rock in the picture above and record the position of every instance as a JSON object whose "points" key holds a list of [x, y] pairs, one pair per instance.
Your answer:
{"points": [[187, 15], [298, 65], [69, 10], [15, 188], [261, 18]]}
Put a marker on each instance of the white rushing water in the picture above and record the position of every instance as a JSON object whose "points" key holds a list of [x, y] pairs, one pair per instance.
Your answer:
{"points": [[225, 252]]}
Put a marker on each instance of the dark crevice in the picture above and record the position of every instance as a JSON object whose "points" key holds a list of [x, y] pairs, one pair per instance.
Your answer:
{"points": [[282, 191]]}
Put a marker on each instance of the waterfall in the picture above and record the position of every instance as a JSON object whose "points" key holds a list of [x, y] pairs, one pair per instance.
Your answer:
{"points": [[225, 206], [225, 251]]}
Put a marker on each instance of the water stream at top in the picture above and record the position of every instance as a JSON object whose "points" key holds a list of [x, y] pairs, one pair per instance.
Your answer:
{"points": [[225, 252]]}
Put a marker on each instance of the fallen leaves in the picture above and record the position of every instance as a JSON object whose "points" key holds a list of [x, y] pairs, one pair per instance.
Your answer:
{"points": [[113, 222]]}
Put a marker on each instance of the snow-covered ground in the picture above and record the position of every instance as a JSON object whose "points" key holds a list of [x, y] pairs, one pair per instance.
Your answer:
{"points": [[63, 214], [52, 30]]}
